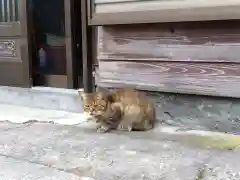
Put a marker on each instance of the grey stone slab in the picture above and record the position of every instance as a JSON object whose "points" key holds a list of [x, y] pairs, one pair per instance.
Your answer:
{"points": [[41, 97], [198, 112], [124, 156], [23, 114]]}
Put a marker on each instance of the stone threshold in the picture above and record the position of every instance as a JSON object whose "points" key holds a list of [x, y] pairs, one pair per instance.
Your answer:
{"points": [[42, 97]]}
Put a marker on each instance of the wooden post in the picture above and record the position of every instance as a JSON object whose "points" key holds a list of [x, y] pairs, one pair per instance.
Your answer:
{"points": [[87, 53]]}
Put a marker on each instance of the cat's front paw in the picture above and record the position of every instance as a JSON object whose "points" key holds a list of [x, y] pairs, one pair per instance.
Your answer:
{"points": [[130, 128], [103, 129], [123, 127]]}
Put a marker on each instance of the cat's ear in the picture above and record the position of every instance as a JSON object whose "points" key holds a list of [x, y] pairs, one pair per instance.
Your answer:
{"points": [[102, 90], [103, 93]]}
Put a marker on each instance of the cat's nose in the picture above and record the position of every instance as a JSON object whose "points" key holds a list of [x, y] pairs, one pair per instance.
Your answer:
{"points": [[91, 113]]}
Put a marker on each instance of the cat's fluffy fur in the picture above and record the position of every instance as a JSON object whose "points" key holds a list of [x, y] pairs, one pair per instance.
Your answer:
{"points": [[124, 109]]}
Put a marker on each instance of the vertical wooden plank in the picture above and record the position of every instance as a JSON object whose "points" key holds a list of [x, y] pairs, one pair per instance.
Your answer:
{"points": [[86, 50], [13, 10], [3, 11], [94, 52], [8, 11], [69, 8], [90, 9], [27, 68]]}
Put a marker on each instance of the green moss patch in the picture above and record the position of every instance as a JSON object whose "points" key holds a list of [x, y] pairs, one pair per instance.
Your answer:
{"points": [[225, 141]]}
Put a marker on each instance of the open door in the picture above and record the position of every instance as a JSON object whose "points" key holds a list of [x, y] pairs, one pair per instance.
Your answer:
{"points": [[54, 57], [14, 57]]}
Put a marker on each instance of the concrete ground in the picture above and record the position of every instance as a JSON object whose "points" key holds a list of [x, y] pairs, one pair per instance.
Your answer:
{"points": [[55, 150], [45, 136]]}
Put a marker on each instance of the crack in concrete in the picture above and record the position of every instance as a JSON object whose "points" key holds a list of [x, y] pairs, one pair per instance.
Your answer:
{"points": [[30, 122], [70, 171], [18, 127], [24, 124]]}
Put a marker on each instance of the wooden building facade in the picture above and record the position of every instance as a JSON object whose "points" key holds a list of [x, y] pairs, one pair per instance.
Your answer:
{"points": [[190, 47], [196, 58]]}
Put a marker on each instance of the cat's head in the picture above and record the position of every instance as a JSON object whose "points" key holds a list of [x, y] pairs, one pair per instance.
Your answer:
{"points": [[94, 104]]}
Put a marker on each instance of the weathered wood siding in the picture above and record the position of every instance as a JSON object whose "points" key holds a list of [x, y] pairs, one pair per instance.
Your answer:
{"points": [[195, 58]]}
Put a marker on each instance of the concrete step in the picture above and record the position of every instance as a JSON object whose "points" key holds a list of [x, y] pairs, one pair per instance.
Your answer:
{"points": [[194, 112], [24, 114], [41, 97]]}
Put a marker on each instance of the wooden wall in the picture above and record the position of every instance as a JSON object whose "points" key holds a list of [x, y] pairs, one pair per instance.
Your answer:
{"points": [[194, 58]]}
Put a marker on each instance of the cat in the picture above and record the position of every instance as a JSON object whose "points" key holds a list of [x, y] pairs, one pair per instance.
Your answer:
{"points": [[123, 109], [98, 107]]}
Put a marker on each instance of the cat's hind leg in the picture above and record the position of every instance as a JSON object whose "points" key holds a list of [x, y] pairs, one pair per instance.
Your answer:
{"points": [[124, 125], [132, 114], [147, 125], [146, 119]]}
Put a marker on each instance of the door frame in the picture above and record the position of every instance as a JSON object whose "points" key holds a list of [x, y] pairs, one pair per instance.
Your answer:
{"points": [[70, 44], [89, 49], [67, 80], [25, 38]]}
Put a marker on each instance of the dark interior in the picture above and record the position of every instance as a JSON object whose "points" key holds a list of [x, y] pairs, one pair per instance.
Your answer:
{"points": [[47, 24]]}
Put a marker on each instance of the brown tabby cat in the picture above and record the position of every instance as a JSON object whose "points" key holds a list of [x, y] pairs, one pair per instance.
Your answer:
{"points": [[123, 109], [98, 106]]}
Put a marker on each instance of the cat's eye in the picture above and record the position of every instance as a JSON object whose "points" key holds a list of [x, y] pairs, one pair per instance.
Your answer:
{"points": [[101, 107]]}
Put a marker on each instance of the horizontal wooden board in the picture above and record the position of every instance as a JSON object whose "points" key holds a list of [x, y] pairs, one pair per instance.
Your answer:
{"points": [[218, 79], [191, 42], [157, 11], [10, 29]]}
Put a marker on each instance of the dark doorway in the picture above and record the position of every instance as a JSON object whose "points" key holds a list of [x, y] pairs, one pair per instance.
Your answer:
{"points": [[55, 42]]}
